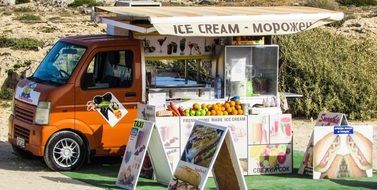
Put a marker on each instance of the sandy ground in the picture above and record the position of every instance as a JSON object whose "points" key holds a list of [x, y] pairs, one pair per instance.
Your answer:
{"points": [[18, 173]]}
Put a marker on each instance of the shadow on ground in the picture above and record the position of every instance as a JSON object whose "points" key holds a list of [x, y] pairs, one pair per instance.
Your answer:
{"points": [[10, 161]]}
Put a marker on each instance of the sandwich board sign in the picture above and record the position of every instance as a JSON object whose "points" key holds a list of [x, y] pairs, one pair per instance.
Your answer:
{"points": [[209, 148], [342, 151], [144, 136], [324, 119]]}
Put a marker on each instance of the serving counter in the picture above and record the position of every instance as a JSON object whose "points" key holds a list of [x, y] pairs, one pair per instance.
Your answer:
{"points": [[263, 142]]}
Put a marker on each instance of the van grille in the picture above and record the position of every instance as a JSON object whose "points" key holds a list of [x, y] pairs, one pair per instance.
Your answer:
{"points": [[22, 133], [23, 115]]}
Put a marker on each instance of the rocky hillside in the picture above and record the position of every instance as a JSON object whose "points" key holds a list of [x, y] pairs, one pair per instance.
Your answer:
{"points": [[43, 23], [39, 25]]}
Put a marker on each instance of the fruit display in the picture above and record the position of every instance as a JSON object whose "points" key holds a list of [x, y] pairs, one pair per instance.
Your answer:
{"points": [[216, 109]]}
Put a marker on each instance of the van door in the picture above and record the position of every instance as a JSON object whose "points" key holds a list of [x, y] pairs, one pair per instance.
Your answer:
{"points": [[107, 96]]}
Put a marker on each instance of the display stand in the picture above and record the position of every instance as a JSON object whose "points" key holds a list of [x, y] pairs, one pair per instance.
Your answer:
{"points": [[209, 148], [324, 119], [336, 150], [144, 135]]}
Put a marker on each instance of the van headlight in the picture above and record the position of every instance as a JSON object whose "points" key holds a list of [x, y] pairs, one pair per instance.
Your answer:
{"points": [[42, 115]]}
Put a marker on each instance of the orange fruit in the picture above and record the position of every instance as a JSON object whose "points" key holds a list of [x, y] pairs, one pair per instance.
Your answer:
{"points": [[234, 112], [222, 108], [240, 112], [208, 113], [229, 110], [225, 113], [196, 106], [215, 107], [238, 102], [232, 103], [219, 112], [213, 112], [227, 105], [239, 107]]}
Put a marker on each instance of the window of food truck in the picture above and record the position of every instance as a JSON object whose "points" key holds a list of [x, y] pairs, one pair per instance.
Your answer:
{"points": [[178, 73], [110, 69], [57, 67]]}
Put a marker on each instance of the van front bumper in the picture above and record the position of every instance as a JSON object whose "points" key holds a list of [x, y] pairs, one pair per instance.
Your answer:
{"points": [[32, 135]]}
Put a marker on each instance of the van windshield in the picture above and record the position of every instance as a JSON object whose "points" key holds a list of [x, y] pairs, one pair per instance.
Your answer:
{"points": [[57, 67]]}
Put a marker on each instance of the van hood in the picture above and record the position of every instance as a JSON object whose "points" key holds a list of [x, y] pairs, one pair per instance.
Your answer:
{"points": [[32, 92]]}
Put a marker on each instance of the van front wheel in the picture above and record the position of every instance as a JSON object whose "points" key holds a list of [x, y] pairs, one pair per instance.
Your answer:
{"points": [[65, 151]]}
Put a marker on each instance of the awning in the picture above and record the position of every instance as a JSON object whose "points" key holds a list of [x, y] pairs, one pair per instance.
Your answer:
{"points": [[220, 21]]}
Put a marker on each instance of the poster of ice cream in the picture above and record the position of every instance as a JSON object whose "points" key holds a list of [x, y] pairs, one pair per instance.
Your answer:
{"points": [[28, 94], [169, 131], [198, 156], [280, 128], [157, 46], [270, 159], [342, 151], [259, 129], [108, 107], [134, 154]]}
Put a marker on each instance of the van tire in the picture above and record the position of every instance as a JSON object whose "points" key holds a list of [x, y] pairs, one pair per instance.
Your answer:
{"points": [[65, 151]]}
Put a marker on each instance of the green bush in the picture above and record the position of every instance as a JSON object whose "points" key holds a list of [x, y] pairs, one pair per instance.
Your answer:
{"points": [[333, 72], [23, 9], [29, 17], [77, 3], [358, 2], [6, 94], [6, 42], [46, 29], [28, 44], [22, 43]]}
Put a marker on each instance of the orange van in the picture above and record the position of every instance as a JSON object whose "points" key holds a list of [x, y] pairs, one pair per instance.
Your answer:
{"points": [[80, 101]]}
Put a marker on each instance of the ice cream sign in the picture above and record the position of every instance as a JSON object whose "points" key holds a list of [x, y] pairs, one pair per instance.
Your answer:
{"points": [[28, 94]]}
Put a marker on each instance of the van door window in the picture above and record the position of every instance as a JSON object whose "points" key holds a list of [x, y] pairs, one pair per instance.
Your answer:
{"points": [[111, 69]]}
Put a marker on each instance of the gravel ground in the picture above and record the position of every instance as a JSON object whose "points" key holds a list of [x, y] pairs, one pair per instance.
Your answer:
{"points": [[18, 173]]}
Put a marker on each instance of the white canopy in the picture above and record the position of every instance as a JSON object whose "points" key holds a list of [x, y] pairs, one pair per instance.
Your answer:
{"points": [[220, 21]]}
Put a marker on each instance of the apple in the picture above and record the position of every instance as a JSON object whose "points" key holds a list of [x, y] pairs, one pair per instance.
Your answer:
{"points": [[281, 157], [187, 112], [198, 113], [192, 113]]}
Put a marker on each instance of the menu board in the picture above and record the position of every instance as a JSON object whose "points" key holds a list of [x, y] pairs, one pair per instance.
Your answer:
{"points": [[342, 151], [237, 127], [324, 119], [134, 154], [198, 156]]}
